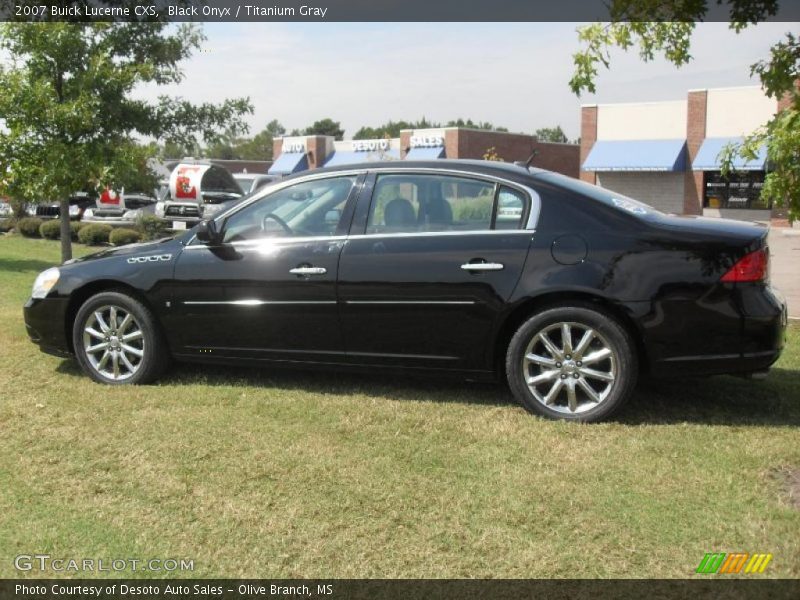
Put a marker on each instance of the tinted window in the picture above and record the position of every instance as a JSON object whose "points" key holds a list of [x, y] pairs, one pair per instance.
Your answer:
{"points": [[412, 203], [607, 197], [510, 208], [313, 208]]}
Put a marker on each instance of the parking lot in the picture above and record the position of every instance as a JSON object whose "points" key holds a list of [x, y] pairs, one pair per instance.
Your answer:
{"points": [[785, 251]]}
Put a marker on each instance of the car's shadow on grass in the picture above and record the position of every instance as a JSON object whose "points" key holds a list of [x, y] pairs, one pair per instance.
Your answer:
{"points": [[720, 400], [24, 265]]}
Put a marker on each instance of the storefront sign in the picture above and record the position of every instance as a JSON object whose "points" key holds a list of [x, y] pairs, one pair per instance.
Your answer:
{"points": [[293, 147], [427, 141], [371, 145]]}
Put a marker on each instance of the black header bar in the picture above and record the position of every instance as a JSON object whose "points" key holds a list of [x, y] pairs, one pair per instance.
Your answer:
{"points": [[342, 10]]}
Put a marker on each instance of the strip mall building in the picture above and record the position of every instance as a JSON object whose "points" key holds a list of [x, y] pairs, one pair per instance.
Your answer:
{"points": [[295, 154], [666, 153]]}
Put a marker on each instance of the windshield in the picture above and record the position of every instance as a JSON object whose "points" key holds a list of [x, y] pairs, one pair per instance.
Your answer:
{"points": [[245, 182], [607, 197]]}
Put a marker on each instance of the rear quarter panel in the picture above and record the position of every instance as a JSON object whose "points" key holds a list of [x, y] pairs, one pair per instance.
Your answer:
{"points": [[663, 275]]}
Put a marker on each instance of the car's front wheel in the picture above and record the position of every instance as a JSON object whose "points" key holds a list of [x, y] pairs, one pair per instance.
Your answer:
{"points": [[572, 363], [117, 341]]}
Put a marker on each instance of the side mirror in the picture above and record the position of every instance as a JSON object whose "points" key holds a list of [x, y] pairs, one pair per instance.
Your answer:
{"points": [[208, 233]]}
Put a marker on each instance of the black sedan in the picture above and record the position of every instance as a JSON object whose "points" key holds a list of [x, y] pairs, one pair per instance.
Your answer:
{"points": [[465, 268]]}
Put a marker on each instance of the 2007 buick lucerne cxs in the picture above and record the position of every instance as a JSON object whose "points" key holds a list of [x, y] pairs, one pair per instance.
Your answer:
{"points": [[469, 268]]}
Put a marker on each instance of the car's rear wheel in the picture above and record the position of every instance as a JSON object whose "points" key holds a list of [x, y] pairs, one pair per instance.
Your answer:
{"points": [[117, 341], [572, 363]]}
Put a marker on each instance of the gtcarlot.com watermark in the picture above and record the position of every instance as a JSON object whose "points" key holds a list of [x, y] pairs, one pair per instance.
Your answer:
{"points": [[46, 562]]}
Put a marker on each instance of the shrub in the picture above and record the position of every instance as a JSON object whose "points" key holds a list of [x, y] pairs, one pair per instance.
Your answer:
{"points": [[50, 230], [474, 209], [7, 225], [94, 235], [151, 227], [29, 226], [74, 228], [122, 236]]}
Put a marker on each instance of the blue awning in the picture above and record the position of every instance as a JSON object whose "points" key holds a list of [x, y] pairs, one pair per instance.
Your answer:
{"points": [[289, 162], [636, 155], [707, 156], [425, 153], [342, 157]]}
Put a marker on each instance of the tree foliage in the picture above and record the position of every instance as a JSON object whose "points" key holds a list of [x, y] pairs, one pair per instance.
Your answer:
{"points": [[71, 119], [325, 127], [551, 134], [258, 147], [392, 128], [664, 28]]}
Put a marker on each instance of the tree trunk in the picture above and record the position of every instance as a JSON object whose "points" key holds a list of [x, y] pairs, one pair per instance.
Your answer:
{"points": [[66, 233]]}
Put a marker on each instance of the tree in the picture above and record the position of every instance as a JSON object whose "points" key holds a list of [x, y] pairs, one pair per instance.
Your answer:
{"points": [[70, 119], [259, 147], [390, 129], [325, 127], [474, 125], [226, 147], [179, 149], [551, 134], [656, 27]]}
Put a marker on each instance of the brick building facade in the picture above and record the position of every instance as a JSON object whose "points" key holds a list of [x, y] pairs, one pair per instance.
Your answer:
{"points": [[667, 153], [293, 154]]}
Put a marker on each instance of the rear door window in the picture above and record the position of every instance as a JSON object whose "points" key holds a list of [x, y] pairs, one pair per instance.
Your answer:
{"points": [[417, 203]]}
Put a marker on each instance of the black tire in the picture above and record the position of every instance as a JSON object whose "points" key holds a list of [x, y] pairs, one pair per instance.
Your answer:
{"points": [[154, 357], [619, 368]]}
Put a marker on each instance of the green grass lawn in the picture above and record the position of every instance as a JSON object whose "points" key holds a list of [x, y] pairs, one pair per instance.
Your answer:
{"points": [[263, 473]]}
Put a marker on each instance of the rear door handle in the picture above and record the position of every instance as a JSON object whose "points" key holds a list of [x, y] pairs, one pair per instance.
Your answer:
{"points": [[482, 266], [308, 271]]}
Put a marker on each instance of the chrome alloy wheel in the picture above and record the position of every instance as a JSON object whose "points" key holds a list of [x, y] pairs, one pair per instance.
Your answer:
{"points": [[113, 342], [569, 367]]}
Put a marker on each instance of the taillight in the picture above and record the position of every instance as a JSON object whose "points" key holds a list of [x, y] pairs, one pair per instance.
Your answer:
{"points": [[750, 268]]}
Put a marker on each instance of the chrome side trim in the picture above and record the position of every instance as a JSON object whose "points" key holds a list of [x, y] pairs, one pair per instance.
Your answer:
{"points": [[461, 302], [343, 238], [360, 236], [273, 242], [254, 302]]}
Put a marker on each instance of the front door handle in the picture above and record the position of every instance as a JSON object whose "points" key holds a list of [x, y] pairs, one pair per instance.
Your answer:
{"points": [[308, 271], [482, 266]]}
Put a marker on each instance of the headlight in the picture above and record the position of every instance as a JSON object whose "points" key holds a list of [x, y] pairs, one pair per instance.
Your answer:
{"points": [[89, 212], [45, 282], [74, 210], [31, 210], [159, 209], [131, 214]]}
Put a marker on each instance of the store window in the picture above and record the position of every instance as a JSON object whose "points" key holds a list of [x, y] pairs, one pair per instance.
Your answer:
{"points": [[738, 190]]}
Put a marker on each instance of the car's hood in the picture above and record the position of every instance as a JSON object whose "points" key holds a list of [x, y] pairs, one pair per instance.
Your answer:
{"points": [[162, 246]]}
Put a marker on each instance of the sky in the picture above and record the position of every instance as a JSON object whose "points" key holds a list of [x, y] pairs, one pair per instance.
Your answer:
{"points": [[513, 75]]}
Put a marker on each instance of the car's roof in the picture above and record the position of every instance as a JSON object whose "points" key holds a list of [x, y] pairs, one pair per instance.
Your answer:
{"points": [[488, 167], [251, 175]]}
